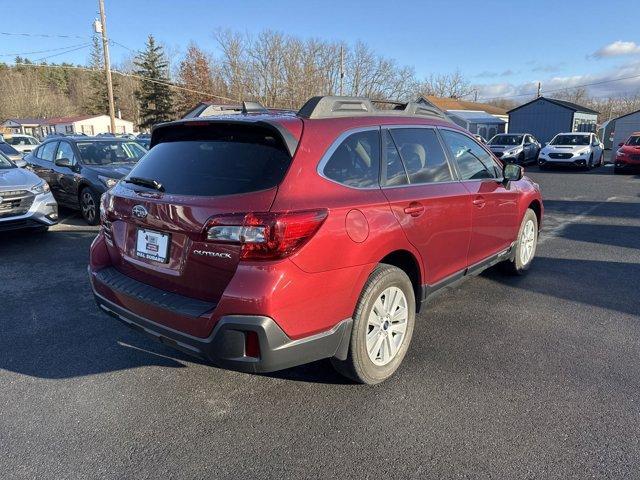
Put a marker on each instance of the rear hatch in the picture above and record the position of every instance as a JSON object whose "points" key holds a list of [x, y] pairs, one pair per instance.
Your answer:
{"points": [[157, 218]]}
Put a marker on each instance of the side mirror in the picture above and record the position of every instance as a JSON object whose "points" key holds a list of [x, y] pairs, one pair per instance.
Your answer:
{"points": [[546, 143], [621, 144], [63, 162], [512, 172]]}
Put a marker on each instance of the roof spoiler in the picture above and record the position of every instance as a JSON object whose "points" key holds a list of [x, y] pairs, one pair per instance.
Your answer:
{"points": [[337, 106]]}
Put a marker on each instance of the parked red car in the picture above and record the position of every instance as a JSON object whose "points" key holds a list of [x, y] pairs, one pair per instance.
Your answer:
{"points": [[262, 241], [628, 154]]}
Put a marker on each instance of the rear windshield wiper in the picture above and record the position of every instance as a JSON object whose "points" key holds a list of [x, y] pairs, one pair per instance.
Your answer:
{"points": [[145, 182]]}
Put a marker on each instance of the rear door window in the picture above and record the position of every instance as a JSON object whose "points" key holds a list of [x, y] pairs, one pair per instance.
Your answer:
{"points": [[215, 160], [356, 161], [473, 161], [422, 155]]}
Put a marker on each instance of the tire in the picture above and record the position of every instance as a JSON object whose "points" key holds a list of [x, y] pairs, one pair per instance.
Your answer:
{"points": [[617, 171], [90, 206], [589, 165], [41, 230], [520, 262], [383, 285]]}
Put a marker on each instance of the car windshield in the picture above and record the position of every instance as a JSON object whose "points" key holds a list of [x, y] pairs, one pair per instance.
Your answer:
{"points": [[8, 149], [634, 141], [506, 140], [570, 140], [105, 152], [5, 163], [21, 140]]}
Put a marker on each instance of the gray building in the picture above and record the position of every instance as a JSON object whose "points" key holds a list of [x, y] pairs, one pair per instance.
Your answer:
{"points": [[625, 126], [546, 117], [478, 122]]}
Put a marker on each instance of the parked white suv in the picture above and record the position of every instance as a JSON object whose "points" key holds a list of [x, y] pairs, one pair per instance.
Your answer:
{"points": [[573, 149], [22, 143]]}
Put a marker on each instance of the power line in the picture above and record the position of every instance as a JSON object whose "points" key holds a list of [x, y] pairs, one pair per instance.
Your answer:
{"points": [[63, 53], [18, 54], [564, 89], [44, 35], [130, 75]]}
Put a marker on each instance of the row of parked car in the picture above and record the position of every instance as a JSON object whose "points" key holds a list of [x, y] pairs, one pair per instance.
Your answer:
{"points": [[73, 171], [583, 150]]}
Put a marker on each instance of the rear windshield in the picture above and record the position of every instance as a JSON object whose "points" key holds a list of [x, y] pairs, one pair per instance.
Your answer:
{"points": [[215, 160]]}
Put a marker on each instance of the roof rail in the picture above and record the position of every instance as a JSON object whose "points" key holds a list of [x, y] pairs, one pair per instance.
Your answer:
{"points": [[253, 107], [336, 106]]}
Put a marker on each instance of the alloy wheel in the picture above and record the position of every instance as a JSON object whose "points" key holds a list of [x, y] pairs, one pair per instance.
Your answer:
{"points": [[527, 242], [387, 326], [88, 206]]}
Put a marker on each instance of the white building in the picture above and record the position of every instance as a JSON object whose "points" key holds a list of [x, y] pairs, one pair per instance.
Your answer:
{"points": [[87, 124]]}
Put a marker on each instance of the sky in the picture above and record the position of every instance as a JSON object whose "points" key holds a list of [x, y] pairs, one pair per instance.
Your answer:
{"points": [[503, 47]]}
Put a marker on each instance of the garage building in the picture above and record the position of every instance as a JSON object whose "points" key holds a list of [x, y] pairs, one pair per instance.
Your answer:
{"points": [[546, 117], [625, 126]]}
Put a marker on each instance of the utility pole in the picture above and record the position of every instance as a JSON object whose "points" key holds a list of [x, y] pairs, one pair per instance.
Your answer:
{"points": [[107, 65], [539, 88], [341, 68]]}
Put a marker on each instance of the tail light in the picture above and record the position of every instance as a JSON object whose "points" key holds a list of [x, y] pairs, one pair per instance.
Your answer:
{"points": [[266, 236]]}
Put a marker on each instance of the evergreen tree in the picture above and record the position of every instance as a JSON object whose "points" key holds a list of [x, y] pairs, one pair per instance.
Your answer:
{"points": [[98, 99], [154, 98]]}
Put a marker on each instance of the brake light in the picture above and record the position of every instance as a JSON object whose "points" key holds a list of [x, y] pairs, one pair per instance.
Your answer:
{"points": [[266, 236]]}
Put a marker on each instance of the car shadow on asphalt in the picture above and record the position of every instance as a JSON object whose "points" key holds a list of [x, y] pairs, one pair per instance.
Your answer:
{"points": [[578, 280], [594, 209], [50, 326]]}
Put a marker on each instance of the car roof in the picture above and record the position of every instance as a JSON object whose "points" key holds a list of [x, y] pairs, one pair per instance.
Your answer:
{"points": [[82, 138]]}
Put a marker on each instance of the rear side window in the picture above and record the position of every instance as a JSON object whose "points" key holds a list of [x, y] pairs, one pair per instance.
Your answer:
{"points": [[215, 160], [422, 155], [473, 162], [356, 161]]}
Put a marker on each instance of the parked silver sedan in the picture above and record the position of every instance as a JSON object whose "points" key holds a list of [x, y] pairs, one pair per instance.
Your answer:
{"points": [[25, 199]]}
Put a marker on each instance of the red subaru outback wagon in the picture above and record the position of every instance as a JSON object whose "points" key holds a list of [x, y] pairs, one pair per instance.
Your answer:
{"points": [[261, 241]]}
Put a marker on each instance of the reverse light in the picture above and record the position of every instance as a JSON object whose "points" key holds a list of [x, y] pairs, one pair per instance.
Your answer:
{"points": [[266, 236]]}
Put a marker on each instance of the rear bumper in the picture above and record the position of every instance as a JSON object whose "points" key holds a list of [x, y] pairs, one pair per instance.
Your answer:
{"points": [[225, 346]]}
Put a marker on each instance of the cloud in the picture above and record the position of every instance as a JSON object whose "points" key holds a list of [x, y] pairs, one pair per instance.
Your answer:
{"points": [[550, 68], [617, 49], [490, 74], [603, 86]]}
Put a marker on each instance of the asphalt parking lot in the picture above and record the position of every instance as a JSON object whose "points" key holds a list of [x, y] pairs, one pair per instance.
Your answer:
{"points": [[533, 377]]}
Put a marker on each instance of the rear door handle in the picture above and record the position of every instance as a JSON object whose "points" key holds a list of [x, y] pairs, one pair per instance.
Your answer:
{"points": [[479, 201], [414, 209]]}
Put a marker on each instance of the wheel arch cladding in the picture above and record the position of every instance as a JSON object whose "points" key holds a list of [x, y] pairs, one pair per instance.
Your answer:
{"points": [[537, 209], [408, 263]]}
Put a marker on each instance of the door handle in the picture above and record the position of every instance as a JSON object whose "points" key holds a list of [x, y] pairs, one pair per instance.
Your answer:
{"points": [[479, 201], [414, 209]]}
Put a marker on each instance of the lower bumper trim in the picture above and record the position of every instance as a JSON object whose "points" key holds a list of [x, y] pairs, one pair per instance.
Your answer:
{"points": [[225, 346]]}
